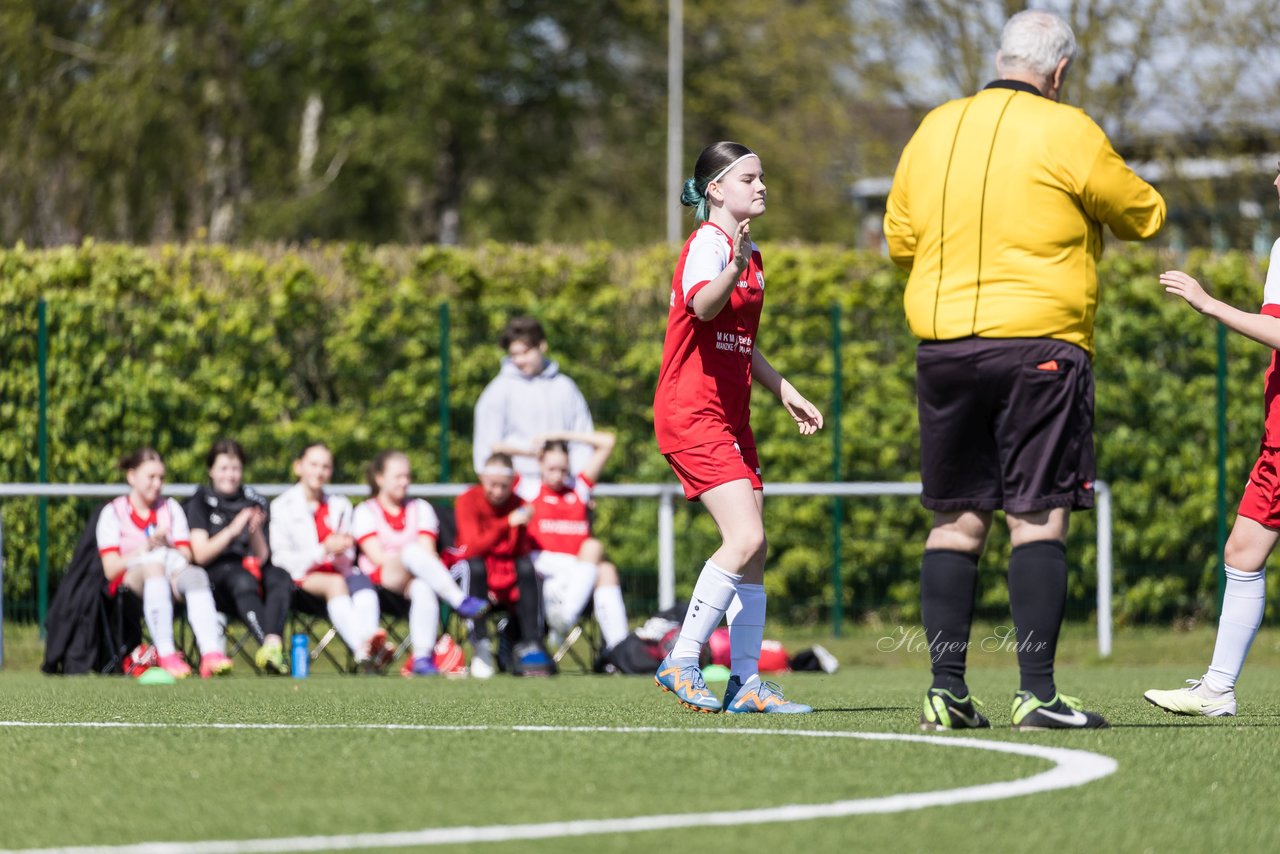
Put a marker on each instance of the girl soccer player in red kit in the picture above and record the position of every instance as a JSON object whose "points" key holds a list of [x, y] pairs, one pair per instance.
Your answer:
{"points": [[701, 415], [1257, 527]]}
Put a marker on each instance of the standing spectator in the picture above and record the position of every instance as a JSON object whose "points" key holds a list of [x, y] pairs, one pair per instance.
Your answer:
{"points": [[228, 523], [397, 539], [146, 546], [495, 564], [529, 396], [569, 560], [311, 538], [997, 210]]}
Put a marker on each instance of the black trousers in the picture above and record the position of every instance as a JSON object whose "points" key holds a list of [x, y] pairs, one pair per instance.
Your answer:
{"points": [[528, 610], [262, 609]]}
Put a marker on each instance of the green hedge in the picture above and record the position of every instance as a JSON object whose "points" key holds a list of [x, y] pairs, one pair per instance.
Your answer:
{"points": [[176, 346]]}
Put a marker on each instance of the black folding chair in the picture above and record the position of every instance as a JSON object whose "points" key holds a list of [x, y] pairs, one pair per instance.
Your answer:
{"points": [[238, 644], [582, 645], [121, 626]]}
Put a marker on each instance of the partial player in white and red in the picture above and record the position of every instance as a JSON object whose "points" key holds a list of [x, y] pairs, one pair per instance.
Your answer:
{"points": [[1257, 527], [397, 536]]}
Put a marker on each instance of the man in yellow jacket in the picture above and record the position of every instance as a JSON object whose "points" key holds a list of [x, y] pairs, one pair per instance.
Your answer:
{"points": [[997, 210]]}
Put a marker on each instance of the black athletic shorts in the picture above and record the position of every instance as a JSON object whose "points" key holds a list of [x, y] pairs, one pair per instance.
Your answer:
{"points": [[1005, 423]]}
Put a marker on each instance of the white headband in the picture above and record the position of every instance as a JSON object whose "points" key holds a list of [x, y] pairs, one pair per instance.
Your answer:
{"points": [[501, 471], [721, 173]]}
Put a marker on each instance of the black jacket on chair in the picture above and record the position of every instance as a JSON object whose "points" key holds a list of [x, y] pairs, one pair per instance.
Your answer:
{"points": [[75, 632]]}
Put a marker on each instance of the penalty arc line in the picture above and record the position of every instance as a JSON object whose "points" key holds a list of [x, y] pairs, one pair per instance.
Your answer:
{"points": [[1071, 768]]}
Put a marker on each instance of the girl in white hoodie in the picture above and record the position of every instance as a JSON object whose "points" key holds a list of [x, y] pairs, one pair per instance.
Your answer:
{"points": [[311, 539]]}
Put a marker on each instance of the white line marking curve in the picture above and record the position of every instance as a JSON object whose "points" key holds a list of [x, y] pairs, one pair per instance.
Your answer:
{"points": [[1071, 768]]}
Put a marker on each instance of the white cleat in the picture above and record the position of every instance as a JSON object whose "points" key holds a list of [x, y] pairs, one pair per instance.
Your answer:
{"points": [[1198, 699], [482, 666]]}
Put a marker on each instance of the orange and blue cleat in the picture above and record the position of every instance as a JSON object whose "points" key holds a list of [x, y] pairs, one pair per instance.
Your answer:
{"points": [[684, 679], [758, 696]]}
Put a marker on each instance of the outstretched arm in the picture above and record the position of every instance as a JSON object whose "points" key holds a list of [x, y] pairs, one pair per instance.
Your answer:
{"points": [[1262, 328], [806, 415]]}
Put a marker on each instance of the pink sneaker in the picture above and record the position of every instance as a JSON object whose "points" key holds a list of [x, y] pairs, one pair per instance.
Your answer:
{"points": [[214, 664], [175, 665]]}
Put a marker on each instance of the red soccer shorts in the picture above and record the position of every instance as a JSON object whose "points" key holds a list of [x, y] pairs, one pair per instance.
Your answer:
{"points": [[707, 466], [1261, 499]]}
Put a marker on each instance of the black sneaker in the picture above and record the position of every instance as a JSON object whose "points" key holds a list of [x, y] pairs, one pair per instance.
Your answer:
{"points": [[1062, 712], [945, 711]]}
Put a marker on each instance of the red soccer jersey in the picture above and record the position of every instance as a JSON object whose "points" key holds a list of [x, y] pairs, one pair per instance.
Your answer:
{"points": [[1271, 393], [559, 522], [483, 530], [704, 387]]}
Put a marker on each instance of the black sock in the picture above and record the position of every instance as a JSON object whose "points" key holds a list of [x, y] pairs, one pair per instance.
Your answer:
{"points": [[477, 578], [948, 582], [529, 608], [1038, 599]]}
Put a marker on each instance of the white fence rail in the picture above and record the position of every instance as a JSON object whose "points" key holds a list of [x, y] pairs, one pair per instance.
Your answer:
{"points": [[666, 493]]}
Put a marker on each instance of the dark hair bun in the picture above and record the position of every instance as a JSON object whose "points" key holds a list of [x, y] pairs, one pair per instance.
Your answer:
{"points": [[691, 196]]}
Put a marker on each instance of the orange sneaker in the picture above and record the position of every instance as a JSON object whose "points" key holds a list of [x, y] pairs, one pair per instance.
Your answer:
{"points": [[175, 665], [214, 664]]}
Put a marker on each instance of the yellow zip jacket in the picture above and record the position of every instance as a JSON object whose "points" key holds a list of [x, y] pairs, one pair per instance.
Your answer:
{"points": [[997, 210]]}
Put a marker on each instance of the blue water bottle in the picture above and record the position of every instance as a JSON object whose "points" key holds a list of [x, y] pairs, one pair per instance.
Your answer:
{"points": [[300, 660]]}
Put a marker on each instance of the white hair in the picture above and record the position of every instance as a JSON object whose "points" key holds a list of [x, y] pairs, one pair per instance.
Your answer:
{"points": [[1035, 41]]}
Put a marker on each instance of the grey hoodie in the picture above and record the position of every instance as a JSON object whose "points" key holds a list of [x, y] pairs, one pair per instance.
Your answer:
{"points": [[513, 408]]}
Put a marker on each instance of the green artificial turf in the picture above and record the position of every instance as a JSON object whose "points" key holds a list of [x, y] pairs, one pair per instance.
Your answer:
{"points": [[1179, 779]]}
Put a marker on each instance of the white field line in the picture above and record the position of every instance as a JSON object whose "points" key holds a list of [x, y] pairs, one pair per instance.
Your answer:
{"points": [[1071, 768]]}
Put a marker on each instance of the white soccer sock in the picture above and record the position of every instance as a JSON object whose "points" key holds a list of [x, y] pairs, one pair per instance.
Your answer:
{"points": [[157, 608], [711, 597], [202, 614], [430, 569], [343, 616], [424, 618], [1243, 603], [611, 614], [746, 631], [365, 605]]}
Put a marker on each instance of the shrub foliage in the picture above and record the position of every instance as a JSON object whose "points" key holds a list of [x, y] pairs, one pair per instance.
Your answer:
{"points": [[175, 346]]}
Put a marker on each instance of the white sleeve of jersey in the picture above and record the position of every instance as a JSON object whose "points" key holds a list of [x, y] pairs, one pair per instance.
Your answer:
{"points": [[179, 530], [108, 530], [1271, 291], [707, 258], [427, 520], [362, 521]]}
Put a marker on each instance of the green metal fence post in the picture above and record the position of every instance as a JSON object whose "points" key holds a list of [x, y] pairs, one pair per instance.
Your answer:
{"points": [[444, 392], [42, 344], [837, 511], [1222, 462]]}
